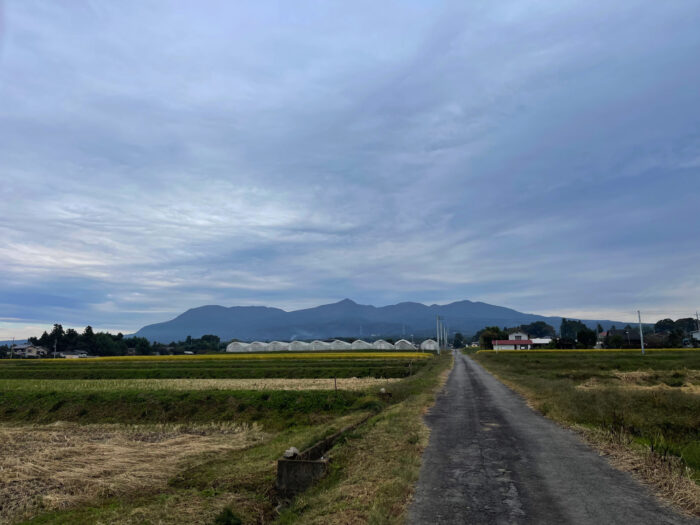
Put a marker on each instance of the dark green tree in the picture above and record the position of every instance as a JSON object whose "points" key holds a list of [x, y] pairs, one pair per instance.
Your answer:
{"points": [[489, 334], [587, 337], [538, 329]]}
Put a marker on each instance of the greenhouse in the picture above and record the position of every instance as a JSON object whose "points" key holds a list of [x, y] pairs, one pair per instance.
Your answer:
{"points": [[381, 344], [257, 346], [320, 345], [238, 346], [278, 346], [429, 344], [359, 344], [402, 344], [340, 345], [299, 345]]}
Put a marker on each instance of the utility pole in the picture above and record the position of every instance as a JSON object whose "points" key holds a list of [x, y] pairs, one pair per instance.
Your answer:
{"points": [[437, 331], [12, 348], [55, 342], [641, 333]]}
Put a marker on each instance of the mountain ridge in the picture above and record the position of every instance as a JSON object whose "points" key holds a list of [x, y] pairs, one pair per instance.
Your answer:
{"points": [[345, 318]]}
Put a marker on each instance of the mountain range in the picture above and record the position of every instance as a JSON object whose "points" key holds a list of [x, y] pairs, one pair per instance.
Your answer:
{"points": [[345, 318]]}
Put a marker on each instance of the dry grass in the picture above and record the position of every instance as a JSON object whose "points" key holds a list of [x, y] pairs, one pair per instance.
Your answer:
{"points": [[111, 385], [664, 475], [62, 465], [378, 467], [646, 380]]}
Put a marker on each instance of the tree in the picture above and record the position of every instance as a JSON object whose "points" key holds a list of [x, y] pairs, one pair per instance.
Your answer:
{"points": [[458, 341], [570, 329], [664, 325], [55, 339], [600, 328], [538, 329], [489, 334], [587, 337], [87, 340], [105, 345], [615, 341]]}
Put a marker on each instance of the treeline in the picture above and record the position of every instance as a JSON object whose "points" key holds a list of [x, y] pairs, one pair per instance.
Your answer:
{"points": [[107, 344], [665, 333]]}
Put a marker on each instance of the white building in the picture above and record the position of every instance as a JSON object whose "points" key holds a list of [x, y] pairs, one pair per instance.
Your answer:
{"points": [[359, 344], [429, 345], [278, 346], [320, 345], [238, 346], [403, 344], [511, 344], [381, 344], [297, 346], [29, 351], [518, 336], [257, 346], [340, 345], [695, 335]]}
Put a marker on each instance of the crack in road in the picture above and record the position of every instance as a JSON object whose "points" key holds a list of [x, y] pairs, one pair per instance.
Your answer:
{"points": [[493, 460]]}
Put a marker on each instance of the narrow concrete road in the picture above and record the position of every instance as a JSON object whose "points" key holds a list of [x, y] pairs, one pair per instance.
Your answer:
{"points": [[493, 460]]}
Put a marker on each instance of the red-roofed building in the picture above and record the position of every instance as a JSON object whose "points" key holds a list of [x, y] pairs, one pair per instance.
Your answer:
{"points": [[512, 344]]}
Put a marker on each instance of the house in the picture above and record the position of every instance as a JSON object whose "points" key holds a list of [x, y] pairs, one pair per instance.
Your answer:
{"points": [[30, 351], [515, 341], [540, 342], [695, 335], [73, 355], [512, 344]]}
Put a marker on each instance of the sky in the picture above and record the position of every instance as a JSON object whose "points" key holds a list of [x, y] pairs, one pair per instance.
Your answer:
{"points": [[159, 155]]}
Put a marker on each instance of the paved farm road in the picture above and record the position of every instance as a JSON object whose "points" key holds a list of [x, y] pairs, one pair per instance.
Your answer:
{"points": [[493, 460]]}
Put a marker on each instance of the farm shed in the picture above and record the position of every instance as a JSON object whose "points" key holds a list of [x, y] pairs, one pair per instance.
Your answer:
{"points": [[402, 344], [429, 344], [299, 345], [340, 345], [359, 344], [257, 346], [381, 344], [238, 346], [277, 346], [320, 345]]}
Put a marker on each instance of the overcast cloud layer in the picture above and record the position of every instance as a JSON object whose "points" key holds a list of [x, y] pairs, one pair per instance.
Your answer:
{"points": [[159, 155]]}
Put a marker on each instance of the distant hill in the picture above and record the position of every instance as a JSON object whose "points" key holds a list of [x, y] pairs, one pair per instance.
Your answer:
{"points": [[342, 319], [8, 342]]}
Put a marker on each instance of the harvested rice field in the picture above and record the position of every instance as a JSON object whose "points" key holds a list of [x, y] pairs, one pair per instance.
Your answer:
{"points": [[101, 385], [195, 440], [63, 465]]}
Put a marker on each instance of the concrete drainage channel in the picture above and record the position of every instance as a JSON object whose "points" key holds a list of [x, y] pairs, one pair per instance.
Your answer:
{"points": [[297, 471]]}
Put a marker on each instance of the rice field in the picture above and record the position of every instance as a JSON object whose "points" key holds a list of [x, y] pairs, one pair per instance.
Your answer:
{"points": [[178, 439], [222, 366], [57, 466], [143, 385], [270, 356]]}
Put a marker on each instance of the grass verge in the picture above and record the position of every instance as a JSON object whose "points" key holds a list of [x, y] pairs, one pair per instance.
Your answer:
{"points": [[374, 469]]}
